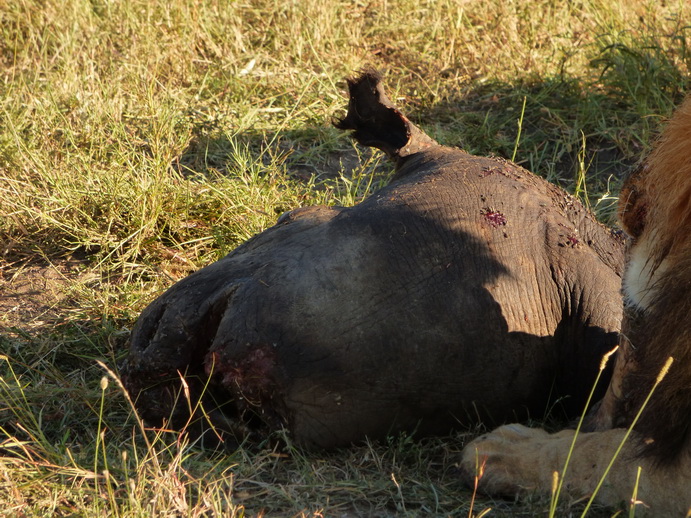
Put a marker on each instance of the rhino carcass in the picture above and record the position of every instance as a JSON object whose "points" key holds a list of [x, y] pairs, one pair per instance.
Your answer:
{"points": [[468, 289]]}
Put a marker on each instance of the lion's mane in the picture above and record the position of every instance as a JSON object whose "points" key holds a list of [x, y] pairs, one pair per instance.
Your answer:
{"points": [[655, 210]]}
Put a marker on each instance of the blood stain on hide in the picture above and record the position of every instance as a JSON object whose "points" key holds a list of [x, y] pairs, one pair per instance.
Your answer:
{"points": [[486, 171], [505, 170], [494, 217], [250, 377]]}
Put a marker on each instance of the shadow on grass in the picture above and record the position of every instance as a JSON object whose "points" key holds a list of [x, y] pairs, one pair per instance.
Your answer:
{"points": [[582, 135], [564, 128]]}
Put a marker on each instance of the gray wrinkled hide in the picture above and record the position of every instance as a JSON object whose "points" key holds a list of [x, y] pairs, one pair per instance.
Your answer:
{"points": [[467, 289]]}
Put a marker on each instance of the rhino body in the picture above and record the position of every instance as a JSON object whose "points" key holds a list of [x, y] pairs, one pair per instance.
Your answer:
{"points": [[466, 290]]}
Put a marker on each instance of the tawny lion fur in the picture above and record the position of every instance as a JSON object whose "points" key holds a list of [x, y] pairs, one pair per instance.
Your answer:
{"points": [[655, 210]]}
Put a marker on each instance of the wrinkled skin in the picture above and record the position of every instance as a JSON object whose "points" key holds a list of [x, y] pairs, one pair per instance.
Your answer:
{"points": [[648, 401], [466, 290]]}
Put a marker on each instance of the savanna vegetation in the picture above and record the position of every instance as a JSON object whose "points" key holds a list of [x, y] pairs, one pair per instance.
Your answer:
{"points": [[141, 140]]}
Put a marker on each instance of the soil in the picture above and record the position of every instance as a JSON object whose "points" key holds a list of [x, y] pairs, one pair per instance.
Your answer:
{"points": [[33, 295]]}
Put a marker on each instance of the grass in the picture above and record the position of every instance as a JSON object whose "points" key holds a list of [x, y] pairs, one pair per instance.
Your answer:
{"points": [[141, 140]]}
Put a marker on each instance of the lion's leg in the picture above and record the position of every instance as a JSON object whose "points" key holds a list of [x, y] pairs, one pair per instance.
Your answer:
{"points": [[611, 411], [515, 459]]}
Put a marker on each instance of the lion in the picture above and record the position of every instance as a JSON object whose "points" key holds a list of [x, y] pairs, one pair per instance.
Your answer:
{"points": [[653, 365]]}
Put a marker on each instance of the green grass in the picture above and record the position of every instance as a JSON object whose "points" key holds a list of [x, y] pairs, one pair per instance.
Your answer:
{"points": [[141, 140]]}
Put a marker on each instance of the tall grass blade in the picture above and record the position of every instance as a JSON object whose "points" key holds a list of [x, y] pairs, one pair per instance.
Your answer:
{"points": [[660, 377]]}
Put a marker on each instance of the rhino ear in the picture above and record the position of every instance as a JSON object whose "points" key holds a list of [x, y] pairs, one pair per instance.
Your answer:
{"points": [[377, 122]]}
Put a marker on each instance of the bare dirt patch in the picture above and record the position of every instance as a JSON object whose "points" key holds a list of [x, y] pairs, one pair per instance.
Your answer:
{"points": [[34, 295]]}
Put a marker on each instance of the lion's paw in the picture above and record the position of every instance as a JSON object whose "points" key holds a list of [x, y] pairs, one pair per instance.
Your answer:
{"points": [[507, 461]]}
